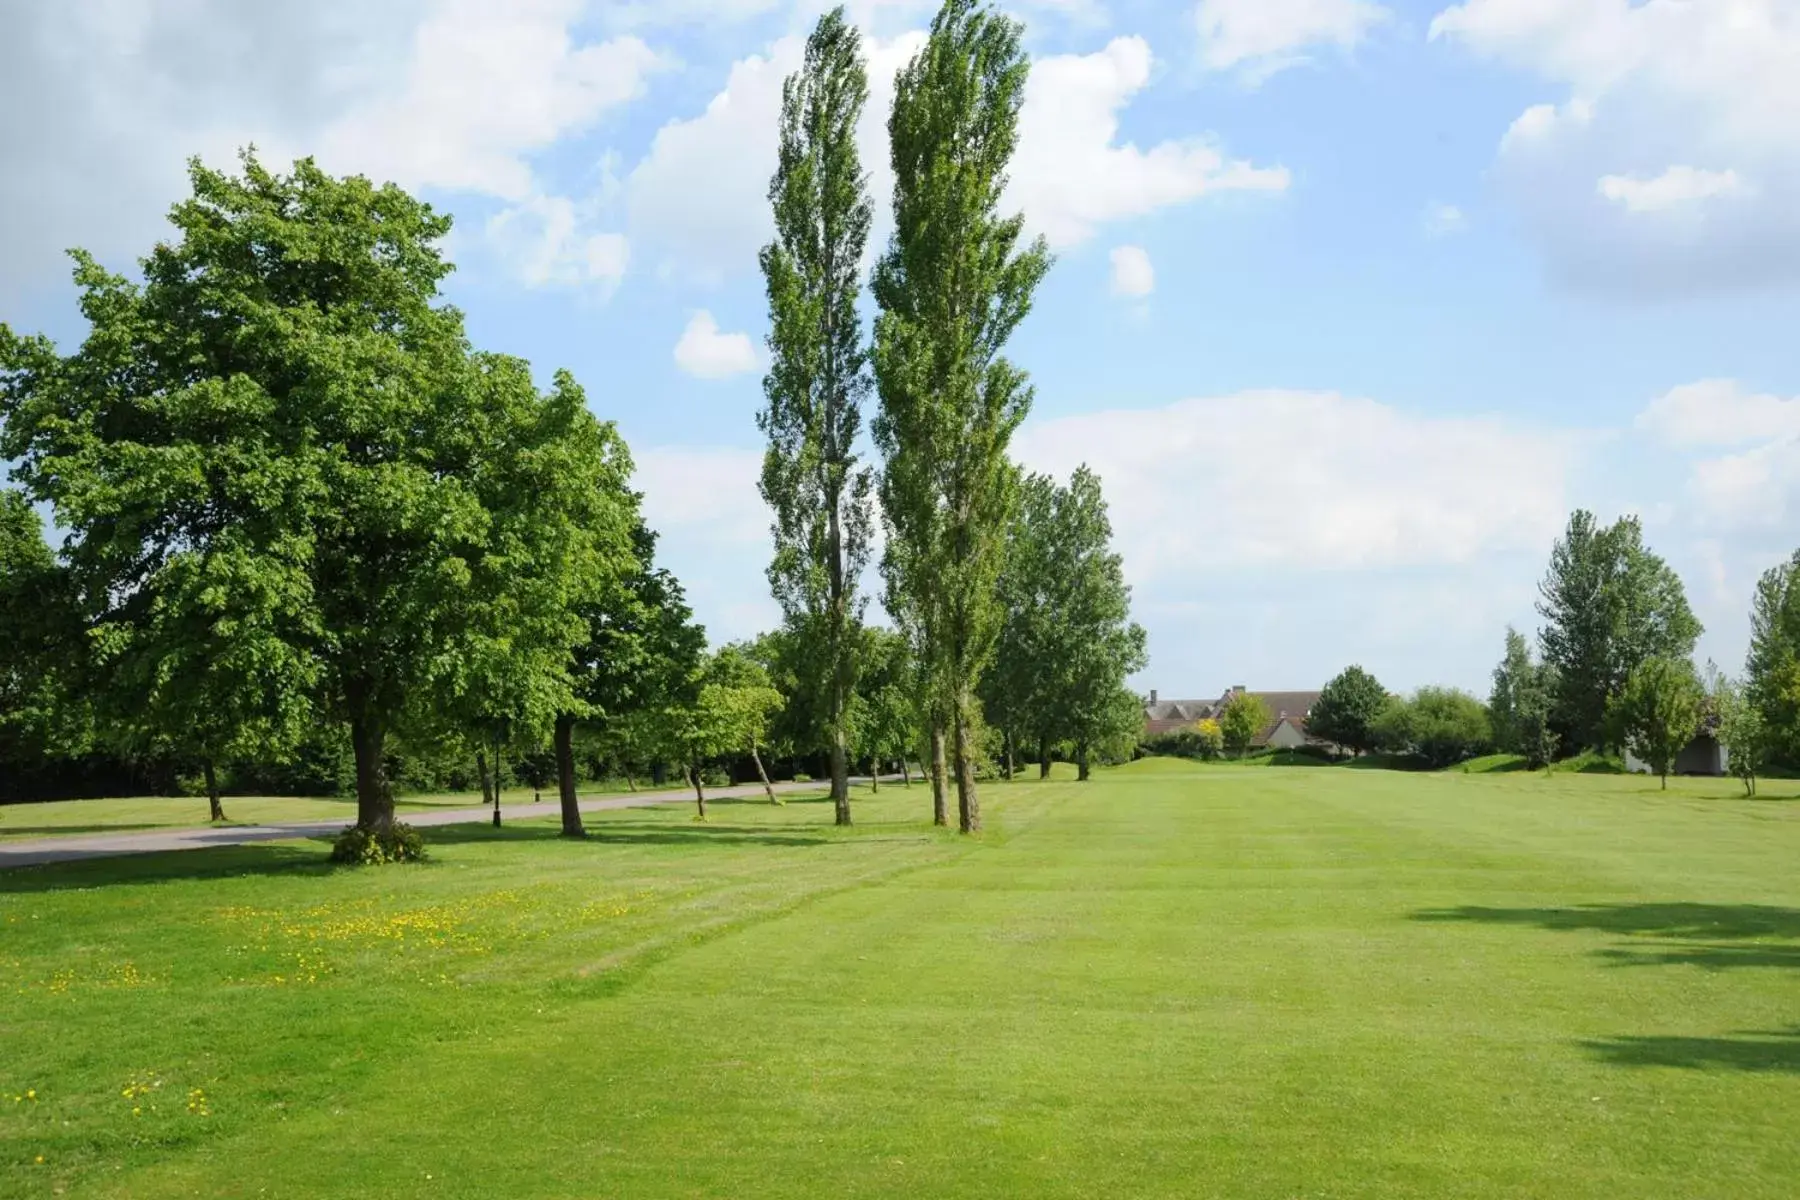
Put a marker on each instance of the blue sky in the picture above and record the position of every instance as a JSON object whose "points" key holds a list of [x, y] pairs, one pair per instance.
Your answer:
{"points": [[1353, 300]]}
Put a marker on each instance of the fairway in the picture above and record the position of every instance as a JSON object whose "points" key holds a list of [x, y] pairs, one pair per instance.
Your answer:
{"points": [[1175, 980]]}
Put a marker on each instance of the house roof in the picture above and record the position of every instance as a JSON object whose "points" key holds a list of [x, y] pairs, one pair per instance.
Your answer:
{"points": [[1170, 716]]}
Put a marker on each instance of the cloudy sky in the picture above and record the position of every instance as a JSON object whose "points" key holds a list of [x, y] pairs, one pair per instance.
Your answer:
{"points": [[1354, 300]]}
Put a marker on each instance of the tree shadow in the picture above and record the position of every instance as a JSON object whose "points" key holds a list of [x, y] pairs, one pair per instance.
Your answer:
{"points": [[624, 833], [1675, 920], [20, 832], [307, 858], [1712, 957], [1763, 1051]]}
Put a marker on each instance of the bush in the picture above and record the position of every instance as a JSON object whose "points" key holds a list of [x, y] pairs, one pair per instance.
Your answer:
{"points": [[802, 777], [1439, 726], [360, 847]]}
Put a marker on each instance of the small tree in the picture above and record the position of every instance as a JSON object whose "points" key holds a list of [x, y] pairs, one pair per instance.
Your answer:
{"points": [[1741, 730], [1523, 702], [1244, 717], [1210, 738], [1659, 712], [1347, 710]]}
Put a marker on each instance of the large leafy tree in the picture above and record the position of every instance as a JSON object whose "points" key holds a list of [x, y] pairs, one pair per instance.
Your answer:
{"points": [[285, 474], [1347, 710], [818, 375], [640, 655], [1659, 711], [1608, 605], [40, 642], [1772, 673], [1067, 642], [886, 715], [951, 289]]}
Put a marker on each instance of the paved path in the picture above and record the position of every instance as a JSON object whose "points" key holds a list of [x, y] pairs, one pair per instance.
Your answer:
{"points": [[38, 851]]}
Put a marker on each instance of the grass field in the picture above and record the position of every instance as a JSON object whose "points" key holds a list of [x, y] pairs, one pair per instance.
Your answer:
{"points": [[1172, 981]]}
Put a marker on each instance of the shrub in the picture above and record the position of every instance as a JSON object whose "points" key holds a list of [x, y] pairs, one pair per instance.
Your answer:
{"points": [[1438, 726], [361, 847], [802, 777]]}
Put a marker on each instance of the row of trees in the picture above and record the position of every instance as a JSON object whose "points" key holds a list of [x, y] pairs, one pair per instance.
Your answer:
{"points": [[980, 563], [295, 497]]}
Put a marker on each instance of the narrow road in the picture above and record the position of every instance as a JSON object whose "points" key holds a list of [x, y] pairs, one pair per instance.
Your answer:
{"points": [[35, 852]]}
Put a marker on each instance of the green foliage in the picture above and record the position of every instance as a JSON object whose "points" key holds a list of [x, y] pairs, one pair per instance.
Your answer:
{"points": [[885, 715], [1205, 741], [950, 290], [397, 842], [1523, 704], [1772, 674], [1741, 729], [294, 493], [818, 375], [1347, 710], [1244, 717], [1659, 711], [1067, 642], [40, 642], [1439, 727], [1608, 604]]}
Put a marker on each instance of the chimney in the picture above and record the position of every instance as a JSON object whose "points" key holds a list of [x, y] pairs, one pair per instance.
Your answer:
{"points": [[1153, 695], [1238, 688]]}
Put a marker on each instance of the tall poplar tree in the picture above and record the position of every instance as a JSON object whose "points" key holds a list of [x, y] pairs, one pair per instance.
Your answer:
{"points": [[951, 289], [818, 375]]}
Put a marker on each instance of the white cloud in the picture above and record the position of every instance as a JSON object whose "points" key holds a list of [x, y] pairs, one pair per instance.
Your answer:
{"points": [[1132, 274], [706, 353], [485, 86], [1757, 487], [449, 94], [1674, 188], [1069, 177], [544, 241], [1443, 220], [1312, 481], [1719, 412], [1261, 37], [1650, 88], [714, 532], [700, 193]]}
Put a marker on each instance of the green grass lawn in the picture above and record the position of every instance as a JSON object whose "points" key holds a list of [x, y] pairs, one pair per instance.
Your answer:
{"points": [[1173, 981], [140, 814]]}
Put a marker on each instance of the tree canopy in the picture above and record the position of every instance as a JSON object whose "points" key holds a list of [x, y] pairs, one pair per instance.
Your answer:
{"points": [[1659, 711], [1347, 710], [1608, 605]]}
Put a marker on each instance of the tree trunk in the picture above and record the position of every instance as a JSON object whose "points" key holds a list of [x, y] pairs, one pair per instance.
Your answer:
{"points": [[374, 802], [487, 784], [1043, 757], [967, 802], [905, 771], [875, 774], [768, 788], [212, 791], [693, 772], [1081, 761], [499, 774], [565, 777], [840, 774], [940, 809]]}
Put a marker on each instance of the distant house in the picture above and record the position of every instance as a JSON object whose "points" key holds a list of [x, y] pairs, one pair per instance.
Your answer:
{"points": [[1705, 755], [1287, 716]]}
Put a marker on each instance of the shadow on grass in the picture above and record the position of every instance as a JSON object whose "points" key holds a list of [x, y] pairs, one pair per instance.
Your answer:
{"points": [[24, 831], [1772, 1051], [223, 862], [1681, 920], [624, 833]]}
